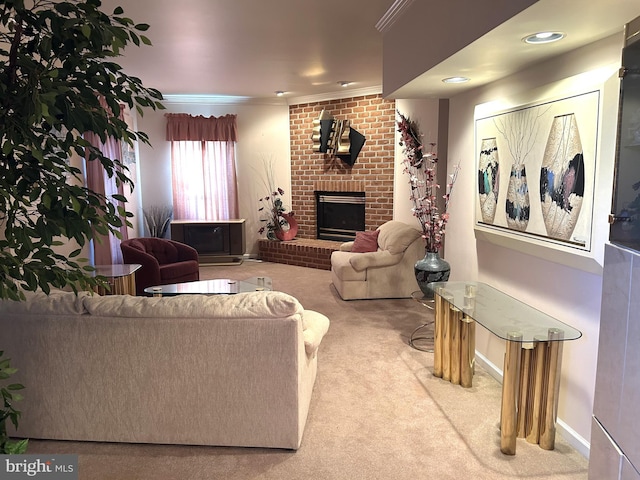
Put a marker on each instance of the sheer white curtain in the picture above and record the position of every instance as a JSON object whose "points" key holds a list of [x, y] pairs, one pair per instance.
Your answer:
{"points": [[106, 248], [203, 167]]}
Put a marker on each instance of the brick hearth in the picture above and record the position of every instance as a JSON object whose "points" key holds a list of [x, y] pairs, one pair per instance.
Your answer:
{"points": [[304, 252]]}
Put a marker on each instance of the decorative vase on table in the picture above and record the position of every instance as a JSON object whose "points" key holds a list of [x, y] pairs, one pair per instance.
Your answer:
{"points": [[432, 268]]}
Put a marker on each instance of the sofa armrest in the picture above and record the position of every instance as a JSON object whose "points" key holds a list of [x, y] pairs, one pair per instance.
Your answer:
{"points": [[346, 246], [314, 327], [149, 273], [381, 258]]}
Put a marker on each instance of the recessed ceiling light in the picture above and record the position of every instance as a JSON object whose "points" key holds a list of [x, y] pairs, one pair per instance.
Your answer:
{"points": [[455, 80], [279, 93], [543, 37], [344, 83]]}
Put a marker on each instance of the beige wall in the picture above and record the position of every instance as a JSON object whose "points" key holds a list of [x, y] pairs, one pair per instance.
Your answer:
{"points": [[426, 114], [263, 134], [553, 284]]}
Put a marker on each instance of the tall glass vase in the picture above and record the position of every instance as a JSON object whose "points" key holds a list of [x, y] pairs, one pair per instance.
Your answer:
{"points": [[562, 178], [488, 179], [517, 204], [431, 268]]}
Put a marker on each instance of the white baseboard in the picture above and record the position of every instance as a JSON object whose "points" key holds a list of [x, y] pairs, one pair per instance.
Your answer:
{"points": [[569, 434]]}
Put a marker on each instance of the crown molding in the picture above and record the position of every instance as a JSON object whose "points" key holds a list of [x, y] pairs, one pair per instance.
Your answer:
{"points": [[323, 97], [173, 99], [220, 100], [391, 15]]}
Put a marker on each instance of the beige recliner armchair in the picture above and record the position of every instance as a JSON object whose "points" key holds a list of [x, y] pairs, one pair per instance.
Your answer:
{"points": [[385, 273]]}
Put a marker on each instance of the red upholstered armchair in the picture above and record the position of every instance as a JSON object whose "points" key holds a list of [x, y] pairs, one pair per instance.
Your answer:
{"points": [[163, 261]]}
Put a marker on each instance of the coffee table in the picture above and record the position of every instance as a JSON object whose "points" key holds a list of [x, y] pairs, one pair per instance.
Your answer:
{"points": [[218, 286]]}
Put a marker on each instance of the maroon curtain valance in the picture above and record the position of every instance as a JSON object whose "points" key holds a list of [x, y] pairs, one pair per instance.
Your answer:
{"points": [[184, 127]]}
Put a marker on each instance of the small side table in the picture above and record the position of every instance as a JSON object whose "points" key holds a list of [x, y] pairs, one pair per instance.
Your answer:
{"points": [[121, 278], [423, 333]]}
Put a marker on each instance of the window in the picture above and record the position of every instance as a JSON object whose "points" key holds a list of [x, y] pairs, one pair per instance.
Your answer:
{"points": [[203, 167]]}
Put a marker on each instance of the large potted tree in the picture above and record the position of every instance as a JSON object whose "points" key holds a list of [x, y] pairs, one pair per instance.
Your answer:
{"points": [[58, 81]]}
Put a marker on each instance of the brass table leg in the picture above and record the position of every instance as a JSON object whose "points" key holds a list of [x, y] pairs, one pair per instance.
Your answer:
{"points": [[454, 328], [467, 350], [510, 380], [437, 334], [536, 393], [526, 381], [552, 385], [454, 342], [446, 339]]}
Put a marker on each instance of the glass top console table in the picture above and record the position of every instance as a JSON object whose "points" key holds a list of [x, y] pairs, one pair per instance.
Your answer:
{"points": [[531, 375]]}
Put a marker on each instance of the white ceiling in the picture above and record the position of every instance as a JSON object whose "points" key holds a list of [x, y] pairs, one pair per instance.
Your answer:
{"points": [[256, 47], [252, 48]]}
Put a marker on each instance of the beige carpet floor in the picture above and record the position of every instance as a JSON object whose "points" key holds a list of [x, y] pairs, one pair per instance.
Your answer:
{"points": [[377, 412]]}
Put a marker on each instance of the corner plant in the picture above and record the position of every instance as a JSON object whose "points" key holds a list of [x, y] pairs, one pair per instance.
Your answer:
{"points": [[271, 208], [8, 411], [57, 82], [56, 73], [157, 220]]}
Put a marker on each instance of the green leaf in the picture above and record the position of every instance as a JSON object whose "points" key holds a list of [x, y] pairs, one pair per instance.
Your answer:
{"points": [[41, 203], [17, 447]]}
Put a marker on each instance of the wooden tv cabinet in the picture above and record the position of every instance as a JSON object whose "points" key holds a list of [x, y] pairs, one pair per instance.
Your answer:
{"points": [[215, 241]]}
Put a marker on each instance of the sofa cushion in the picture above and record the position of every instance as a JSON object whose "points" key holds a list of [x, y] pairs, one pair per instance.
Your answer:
{"points": [[365, 242], [56, 303], [243, 305], [397, 236], [179, 272]]}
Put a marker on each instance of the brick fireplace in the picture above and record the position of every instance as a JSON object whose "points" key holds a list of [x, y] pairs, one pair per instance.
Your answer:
{"points": [[372, 172]]}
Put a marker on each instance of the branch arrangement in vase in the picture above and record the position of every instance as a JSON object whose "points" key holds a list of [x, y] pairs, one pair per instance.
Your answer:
{"points": [[421, 166]]}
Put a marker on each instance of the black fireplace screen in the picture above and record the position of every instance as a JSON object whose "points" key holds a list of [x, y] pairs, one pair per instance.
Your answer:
{"points": [[339, 215]]}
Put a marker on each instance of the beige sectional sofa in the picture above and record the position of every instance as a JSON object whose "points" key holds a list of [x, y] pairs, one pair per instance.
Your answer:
{"points": [[233, 370]]}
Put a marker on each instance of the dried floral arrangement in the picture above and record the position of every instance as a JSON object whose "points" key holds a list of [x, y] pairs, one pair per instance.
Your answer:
{"points": [[421, 166], [271, 207]]}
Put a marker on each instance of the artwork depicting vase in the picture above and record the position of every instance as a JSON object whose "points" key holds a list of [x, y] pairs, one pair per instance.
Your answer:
{"points": [[488, 179], [520, 130], [517, 205], [562, 178]]}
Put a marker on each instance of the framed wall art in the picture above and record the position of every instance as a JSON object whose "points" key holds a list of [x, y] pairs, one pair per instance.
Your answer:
{"points": [[536, 171]]}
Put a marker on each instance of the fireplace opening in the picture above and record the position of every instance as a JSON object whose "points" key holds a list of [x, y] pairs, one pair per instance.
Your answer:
{"points": [[339, 215]]}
